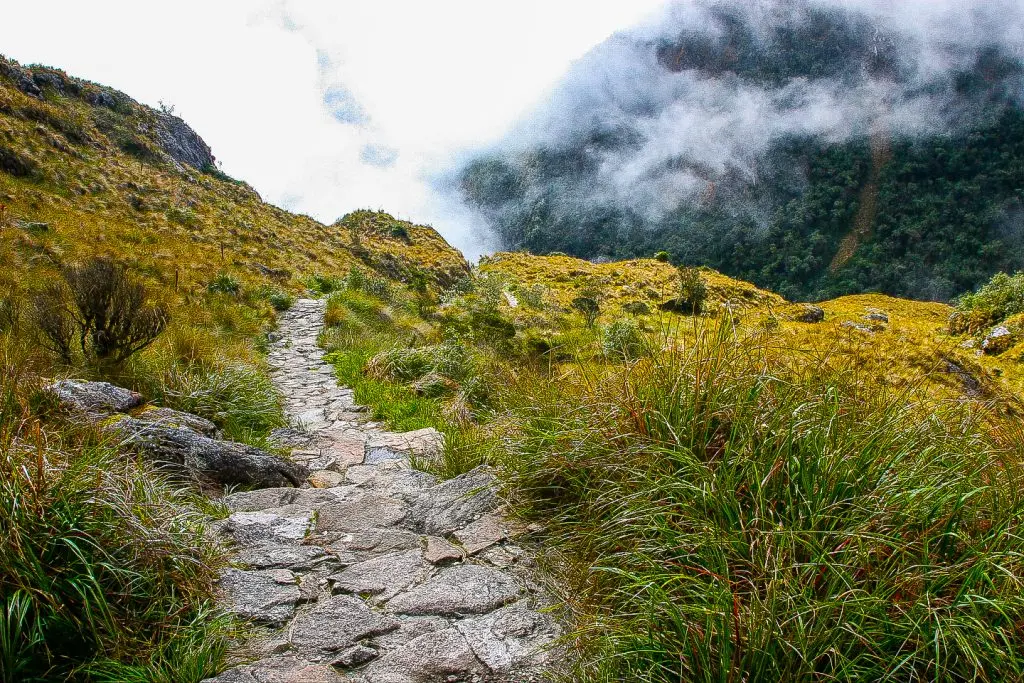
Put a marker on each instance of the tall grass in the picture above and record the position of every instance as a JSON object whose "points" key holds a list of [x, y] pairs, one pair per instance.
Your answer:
{"points": [[103, 565], [720, 513]]}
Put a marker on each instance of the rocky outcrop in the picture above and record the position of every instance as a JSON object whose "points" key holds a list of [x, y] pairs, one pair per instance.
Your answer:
{"points": [[998, 340], [222, 462], [94, 398], [181, 442], [385, 575], [182, 143]]}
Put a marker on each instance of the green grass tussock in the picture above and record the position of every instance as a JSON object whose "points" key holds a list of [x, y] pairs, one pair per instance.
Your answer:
{"points": [[724, 515], [104, 567]]}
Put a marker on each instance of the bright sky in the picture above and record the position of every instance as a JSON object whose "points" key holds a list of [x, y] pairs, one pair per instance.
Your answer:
{"points": [[325, 106]]}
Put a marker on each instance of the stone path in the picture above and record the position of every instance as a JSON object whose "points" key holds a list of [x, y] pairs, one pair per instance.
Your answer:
{"points": [[377, 573]]}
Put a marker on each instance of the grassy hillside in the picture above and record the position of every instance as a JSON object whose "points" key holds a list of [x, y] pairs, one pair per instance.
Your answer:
{"points": [[765, 491], [106, 572], [96, 168], [726, 485]]}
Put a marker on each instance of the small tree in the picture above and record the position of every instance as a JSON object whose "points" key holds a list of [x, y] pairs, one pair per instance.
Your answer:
{"points": [[589, 308], [693, 291], [99, 309]]}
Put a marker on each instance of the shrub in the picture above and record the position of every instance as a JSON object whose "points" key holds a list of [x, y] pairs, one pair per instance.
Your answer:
{"points": [[224, 283], [324, 284], [589, 308], [533, 297], [662, 256], [183, 216], [735, 518], [624, 340], [693, 291], [636, 308], [400, 232], [99, 309], [16, 163], [280, 301], [998, 299]]}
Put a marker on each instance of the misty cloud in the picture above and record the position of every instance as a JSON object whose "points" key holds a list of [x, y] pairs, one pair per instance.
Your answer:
{"points": [[661, 115]]}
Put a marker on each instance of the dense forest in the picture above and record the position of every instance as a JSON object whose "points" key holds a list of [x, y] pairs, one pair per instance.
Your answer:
{"points": [[928, 212]]}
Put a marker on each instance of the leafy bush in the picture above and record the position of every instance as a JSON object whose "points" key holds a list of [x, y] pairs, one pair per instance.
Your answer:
{"points": [[624, 340], [636, 308], [99, 310], [224, 283], [693, 291], [998, 299], [589, 308], [736, 518], [662, 256]]}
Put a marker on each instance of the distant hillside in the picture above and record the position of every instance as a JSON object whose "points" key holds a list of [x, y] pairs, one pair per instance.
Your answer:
{"points": [[810, 148], [86, 170]]}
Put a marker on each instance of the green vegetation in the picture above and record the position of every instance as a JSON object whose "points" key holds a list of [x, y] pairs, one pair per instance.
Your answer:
{"points": [[997, 300], [722, 498], [728, 514], [104, 571], [98, 307]]}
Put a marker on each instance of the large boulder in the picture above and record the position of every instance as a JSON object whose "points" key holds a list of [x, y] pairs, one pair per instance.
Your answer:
{"points": [[94, 398], [167, 417], [222, 462]]}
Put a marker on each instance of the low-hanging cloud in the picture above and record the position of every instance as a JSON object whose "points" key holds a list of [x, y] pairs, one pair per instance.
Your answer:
{"points": [[655, 116]]}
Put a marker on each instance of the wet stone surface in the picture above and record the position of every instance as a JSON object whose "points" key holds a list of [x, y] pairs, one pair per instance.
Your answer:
{"points": [[376, 573]]}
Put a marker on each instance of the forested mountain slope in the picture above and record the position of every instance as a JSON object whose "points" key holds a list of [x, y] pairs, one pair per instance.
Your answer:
{"points": [[810, 148]]}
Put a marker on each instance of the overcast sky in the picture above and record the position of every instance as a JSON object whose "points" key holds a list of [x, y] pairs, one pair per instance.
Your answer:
{"points": [[327, 106]]}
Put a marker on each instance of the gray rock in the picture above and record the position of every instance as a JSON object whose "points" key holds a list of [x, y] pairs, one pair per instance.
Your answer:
{"points": [[510, 637], [325, 479], [440, 551], [436, 656], [167, 417], [222, 462], [458, 590], [257, 528], [325, 632], [383, 576], [453, 504], [875, 315], [998, 340], [181, 143], [297, 558], [371, 542], [21, 77], [366, 512], [482, 534], [266, 596], [261, 499], [94, 398], [280, 669]]}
